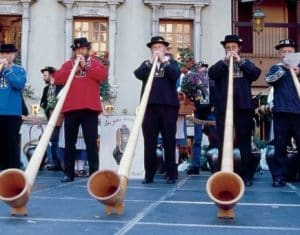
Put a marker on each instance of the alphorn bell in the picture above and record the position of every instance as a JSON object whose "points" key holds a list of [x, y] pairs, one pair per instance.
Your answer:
{"points": [[225, 187], [293, 59], [109, 187], [16, 185]]}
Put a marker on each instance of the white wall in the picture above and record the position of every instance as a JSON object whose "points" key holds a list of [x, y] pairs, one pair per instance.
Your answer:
{"points": [[46, 40], [216, 20], [134, 31]]}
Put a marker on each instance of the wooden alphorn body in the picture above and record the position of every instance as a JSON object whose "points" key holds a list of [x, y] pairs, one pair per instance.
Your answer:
{"points": [[1, 67], [16, 185], [296, 82], [109, 187], [225, 187]]}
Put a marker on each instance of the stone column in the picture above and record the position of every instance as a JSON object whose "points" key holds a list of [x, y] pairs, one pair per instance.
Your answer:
{"points": [[155, 19], [112, 42], [197, 32], [68, 28], [25, 33]]}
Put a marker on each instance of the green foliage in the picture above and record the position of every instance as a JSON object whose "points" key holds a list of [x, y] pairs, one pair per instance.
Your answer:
{"points": [[28, 92], [186, 58], [105, 91], [259, 143], [51, 104]]}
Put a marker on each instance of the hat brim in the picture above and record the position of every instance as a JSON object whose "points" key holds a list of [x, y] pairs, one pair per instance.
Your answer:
{"points": [[49, 70], [88, 45], [277, 47], [8, 51], [149, 44], [233, 41]]}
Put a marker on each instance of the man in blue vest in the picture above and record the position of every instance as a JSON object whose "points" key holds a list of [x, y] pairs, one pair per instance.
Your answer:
{"points": [[12, 81], [286, 110]]}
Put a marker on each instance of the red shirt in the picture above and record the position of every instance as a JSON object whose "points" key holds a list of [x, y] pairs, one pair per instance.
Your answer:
{"points": [[84, 91]]}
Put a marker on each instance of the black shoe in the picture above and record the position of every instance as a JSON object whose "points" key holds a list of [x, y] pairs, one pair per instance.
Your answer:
{"points": [[171, 181], [280, 182], [67, 179], [193, 170], [147, 181], [248, 182]]}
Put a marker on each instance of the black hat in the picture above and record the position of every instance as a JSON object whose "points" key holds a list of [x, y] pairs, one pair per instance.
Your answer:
{"points": [[8, 48], [80, 42], [157, 39], [50, 69], [286, 43], [232, 38]]}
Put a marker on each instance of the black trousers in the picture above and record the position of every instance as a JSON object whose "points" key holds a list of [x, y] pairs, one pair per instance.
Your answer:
{"points": [[160, 119], [243, 125], [9, 141], [286, 126], [89, 123]]}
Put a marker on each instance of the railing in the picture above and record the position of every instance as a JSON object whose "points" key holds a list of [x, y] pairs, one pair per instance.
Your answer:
{"points": [[262, 44]]}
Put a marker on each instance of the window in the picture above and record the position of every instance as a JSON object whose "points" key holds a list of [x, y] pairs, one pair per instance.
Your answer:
{"points": [[95, 30], [11, 32], [178, 33]]}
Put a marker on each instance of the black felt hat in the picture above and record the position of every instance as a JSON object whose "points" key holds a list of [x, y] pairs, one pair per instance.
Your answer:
{"points": [[232, 38], [286, 43], [50, 69], [8, 48], [157, 39], [80, 42]]}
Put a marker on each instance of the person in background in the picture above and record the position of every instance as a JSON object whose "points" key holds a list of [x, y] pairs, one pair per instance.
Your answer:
{"points": [[161, 111], [286, 110], [48, 102], [244, 73], [12, 81], [82, 105], [201, 93]]}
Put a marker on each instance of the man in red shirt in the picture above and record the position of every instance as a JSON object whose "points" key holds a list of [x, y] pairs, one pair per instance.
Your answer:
{"points": [[82, 105]]}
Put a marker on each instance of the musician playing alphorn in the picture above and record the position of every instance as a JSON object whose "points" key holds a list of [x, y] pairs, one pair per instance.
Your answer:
{"points": [[82, 105], [162, 109], [286, 110], [12, 81], [244, 73]]}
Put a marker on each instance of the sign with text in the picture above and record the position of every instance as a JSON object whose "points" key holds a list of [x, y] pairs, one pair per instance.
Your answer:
{"points": [[114, 134]]}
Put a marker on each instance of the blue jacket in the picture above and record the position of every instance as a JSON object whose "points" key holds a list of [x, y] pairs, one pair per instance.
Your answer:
{"points": [[12, 81], [285, 95], [244, 74], [163, 89]]}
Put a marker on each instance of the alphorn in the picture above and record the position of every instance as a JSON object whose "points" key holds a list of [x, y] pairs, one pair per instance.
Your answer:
{"points": [[295, 81], [109, 187], [16, 185], [200, 121], [225, 187]]}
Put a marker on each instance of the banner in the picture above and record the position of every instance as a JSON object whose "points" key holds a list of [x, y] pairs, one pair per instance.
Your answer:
{"points": [[114, 133]]}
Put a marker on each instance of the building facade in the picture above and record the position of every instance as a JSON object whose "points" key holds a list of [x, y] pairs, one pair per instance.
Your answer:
{"points": [[43, 31]]}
